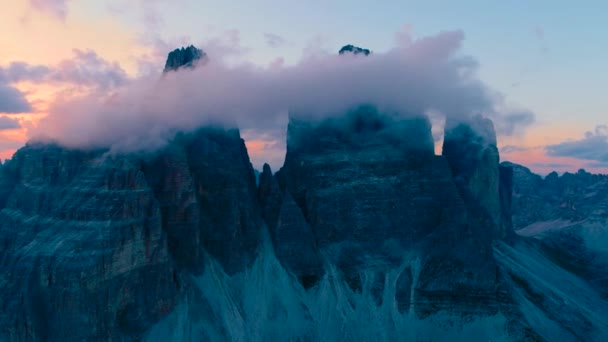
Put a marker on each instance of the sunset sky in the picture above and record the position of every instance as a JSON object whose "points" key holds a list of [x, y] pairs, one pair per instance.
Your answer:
{"points": [[545, 57]]}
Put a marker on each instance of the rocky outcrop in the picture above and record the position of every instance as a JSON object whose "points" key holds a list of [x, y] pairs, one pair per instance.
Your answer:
{"points": [[470, 148], [207, 193], [186, 57], [295, 244], [355, 50], [375, 196], [101, 242], [270, 197], [505, 191], [83, 253]]}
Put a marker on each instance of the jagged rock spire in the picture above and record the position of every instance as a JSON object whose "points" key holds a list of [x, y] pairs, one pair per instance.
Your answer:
{"points": [[354, 50], [185, 57]]}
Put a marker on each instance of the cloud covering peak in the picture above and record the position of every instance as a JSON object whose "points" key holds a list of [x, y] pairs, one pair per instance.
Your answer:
{"points": [[413, 78]]}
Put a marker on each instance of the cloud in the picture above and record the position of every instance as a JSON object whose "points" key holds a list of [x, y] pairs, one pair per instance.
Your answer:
{"points": [[8, 123], [404, 37], [539, 33], [597, 164], [426, 74], [85, 69], [274, 40], [512, 149], [513, 122], [12, 101], [55, 8], [593, 147]]}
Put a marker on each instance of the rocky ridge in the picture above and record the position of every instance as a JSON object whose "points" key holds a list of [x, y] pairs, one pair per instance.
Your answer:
{"points": [[567, 215]]}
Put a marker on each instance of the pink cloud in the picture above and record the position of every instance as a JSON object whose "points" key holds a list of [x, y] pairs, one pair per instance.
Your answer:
{"points": [[55, 8], [85, 69]]}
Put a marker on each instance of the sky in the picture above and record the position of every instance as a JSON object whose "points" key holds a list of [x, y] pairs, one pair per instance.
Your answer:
{"points": [[544, 57]]}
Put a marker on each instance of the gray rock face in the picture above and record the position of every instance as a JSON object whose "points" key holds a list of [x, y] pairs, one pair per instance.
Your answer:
{"points": [[473, 156], [505, 190], [206, 189], [295, 244], [95, 247], [81, 237], [270, 197], [372, 191]]}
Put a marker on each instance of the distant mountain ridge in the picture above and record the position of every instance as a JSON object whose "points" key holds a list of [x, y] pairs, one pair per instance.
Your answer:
{"points": [[571, 196]]}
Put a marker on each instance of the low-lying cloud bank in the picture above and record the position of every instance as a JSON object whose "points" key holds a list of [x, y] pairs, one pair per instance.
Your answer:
{"points": [[415, 77], [85, 69], [12, 100], [593, 147]]}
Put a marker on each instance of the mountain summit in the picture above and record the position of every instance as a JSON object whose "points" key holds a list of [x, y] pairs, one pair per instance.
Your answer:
{"points": [[186, 57], [354, 50]]}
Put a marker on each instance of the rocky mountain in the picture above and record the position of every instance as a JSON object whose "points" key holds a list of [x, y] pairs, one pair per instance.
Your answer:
{"points": [[185, 57], [354, 50], [102, 242], [363, 234], [568, 215], [569, 197]]}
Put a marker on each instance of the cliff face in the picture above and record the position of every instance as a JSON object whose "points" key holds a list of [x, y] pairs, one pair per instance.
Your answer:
{"points": [[93, 246], [471, 150], [206, 190], [373, 195], [81, 236]]}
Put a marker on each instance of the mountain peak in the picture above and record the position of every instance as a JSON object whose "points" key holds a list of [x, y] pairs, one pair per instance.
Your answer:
{"points": [[184, 57], [354, 50]]}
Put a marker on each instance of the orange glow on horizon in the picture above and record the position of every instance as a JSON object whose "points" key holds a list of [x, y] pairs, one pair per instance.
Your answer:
{"points": [[7, 154]]}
